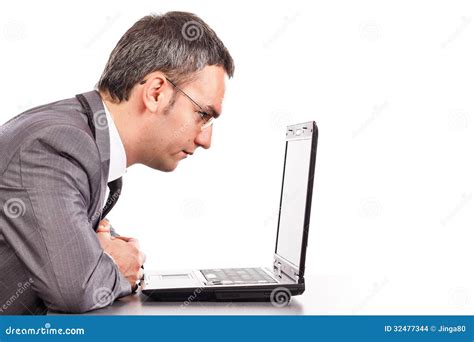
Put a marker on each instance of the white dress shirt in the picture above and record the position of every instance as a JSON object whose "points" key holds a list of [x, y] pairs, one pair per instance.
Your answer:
{"points": [[118, 158]]}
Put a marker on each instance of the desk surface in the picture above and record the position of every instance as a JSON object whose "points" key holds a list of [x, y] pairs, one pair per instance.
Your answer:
{"points": [[325, 294], [140, 304]]}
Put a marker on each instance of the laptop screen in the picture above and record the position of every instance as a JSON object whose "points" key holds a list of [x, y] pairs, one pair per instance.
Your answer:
{"points": [[294, 196]]}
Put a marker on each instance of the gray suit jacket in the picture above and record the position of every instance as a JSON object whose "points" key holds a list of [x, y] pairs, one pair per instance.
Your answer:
{"points": [[53, 178]]}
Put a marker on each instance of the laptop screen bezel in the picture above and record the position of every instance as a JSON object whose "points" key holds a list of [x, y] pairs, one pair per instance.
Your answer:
{"points": [[309, 195]]}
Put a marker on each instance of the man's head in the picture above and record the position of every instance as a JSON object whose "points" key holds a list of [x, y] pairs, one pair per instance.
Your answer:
{"points": [[162, 81]]}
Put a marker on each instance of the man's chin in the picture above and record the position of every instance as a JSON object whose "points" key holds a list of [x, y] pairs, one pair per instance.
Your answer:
{"points": [[168, 167], [163, 165]]}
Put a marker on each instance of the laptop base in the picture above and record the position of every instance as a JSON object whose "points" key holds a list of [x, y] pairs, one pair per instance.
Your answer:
{"points": [[274, 293]]}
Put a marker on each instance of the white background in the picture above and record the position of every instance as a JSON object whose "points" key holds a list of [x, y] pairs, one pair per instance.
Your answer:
{"points": [[390, 85]]}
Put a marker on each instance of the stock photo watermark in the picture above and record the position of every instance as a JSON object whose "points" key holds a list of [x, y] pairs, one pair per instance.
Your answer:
{"points": [[465, 199], [282, 28], [21, 287], [46, 330], [465, 21], [377, 111], [370, 207], [14, 208], [370, 31], [192, 208], [102, 296], [14, 31], [192, 297], [280, 297], [459, 120], [192, 31], [376, 288], [109, 21]]}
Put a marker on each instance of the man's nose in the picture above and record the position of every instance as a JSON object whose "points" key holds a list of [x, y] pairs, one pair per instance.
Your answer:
{"points": [[204, 137]]}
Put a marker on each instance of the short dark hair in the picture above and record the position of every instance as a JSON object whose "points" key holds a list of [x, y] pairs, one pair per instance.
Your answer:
{"points": [[177, 43]]}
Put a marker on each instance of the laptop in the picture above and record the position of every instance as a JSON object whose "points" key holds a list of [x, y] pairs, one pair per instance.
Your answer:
{"points": [[283, 279]]}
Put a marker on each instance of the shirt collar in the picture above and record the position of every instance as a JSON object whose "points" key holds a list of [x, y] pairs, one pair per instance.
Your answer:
{"points": [[118, 158]]}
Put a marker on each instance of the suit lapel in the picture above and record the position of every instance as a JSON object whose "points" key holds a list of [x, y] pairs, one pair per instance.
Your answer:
{"points": [[103, 144]]}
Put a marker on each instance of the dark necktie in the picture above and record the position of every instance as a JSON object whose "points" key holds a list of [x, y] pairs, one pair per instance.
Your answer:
{"points": [[115, 187]]}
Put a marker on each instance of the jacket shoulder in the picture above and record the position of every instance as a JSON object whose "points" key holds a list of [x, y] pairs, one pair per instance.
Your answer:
{"points": [[61, 125]]}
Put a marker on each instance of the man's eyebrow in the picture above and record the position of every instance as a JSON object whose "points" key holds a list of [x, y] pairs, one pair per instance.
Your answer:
{"points": [[211, 110]]}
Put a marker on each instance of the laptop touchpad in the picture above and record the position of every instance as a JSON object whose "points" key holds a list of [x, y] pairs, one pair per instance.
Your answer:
{"points": [[181, 279]]}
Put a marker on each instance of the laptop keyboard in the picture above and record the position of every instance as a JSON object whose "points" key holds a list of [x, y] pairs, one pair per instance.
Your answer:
{"points": [[235, 276]]}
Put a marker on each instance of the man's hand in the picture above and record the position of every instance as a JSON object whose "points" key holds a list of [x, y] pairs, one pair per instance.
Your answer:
{"points": [[125, 251]]}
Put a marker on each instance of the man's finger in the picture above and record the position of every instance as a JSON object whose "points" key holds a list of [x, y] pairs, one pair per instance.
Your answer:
{"points": [[104, 227], [143, 257], [140, 273], [124, 238], [134, 242], [103, 231]]}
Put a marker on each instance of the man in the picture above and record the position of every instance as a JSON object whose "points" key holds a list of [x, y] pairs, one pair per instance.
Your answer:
{"points": [[156, 100]]}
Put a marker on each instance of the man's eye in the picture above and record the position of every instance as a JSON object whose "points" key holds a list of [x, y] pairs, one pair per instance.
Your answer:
{"points": [[204, 116]]}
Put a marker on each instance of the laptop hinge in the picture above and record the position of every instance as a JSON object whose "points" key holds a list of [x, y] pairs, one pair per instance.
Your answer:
{"points": [[283, 267]]}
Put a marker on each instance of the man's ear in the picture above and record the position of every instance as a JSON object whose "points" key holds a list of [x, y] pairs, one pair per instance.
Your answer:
{"points": [[153, 93]]}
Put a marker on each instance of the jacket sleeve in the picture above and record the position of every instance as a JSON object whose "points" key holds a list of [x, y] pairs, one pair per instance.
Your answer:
{"points": [[54, 237]]}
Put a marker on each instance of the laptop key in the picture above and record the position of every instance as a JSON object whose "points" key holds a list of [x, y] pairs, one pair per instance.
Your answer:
{"points": [[236, 276]]}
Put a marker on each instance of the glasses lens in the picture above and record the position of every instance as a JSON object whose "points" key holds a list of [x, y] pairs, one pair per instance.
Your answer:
{"points": [[207, 122]]}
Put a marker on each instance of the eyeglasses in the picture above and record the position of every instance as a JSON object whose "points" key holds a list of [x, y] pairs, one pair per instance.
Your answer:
{"points": [[206, 118]]}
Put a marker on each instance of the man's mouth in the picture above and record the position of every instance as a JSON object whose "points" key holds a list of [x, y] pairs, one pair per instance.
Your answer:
{"points": [[184, 154]]}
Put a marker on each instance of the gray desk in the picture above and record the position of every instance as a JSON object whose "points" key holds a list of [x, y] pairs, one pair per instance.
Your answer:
{"points": [[139, 304], [324, 294]]}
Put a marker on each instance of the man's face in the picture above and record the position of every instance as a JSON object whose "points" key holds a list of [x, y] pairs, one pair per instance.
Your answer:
{"points": [[178, 130]]}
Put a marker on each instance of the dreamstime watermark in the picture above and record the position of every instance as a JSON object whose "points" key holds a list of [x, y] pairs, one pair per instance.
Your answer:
{"points": [[288, 198], [100, 119], [22, 107], [192, 30], [103, 296], [22, 287], [14, 208], [192, 297], [14, 31], [370, 207], [370, 30], [109, 20], [465, 21], [280, 119], [460, 297], [287, 21], [7, 126], [46, 330], [109, 201], [459, 120], [193, 208], [280, 297], [376, 288], [378, 109], [465, 199]]}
